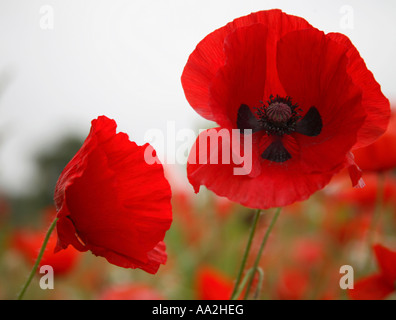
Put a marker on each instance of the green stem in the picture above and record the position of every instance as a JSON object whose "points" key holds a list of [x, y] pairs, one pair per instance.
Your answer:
{"points": [[246, 254], [245, 280], [243, 283], [41, 253], [260, 283], [263, 243]]}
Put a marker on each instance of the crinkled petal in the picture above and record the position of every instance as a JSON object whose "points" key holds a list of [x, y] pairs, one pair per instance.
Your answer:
{"points": [[375, 104], [380, 155], [241, 80], [312, 69], [112, 201], [355, 173], [209, 56]]}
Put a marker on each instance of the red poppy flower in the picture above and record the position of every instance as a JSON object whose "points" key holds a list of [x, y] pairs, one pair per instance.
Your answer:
{"points": [[213, 284], [381, 155], [366, 198], [293, 284], [380, 285], [29, 242], [112, 202], [306, 96], [308, 252], [190, 222], [223, 207]]}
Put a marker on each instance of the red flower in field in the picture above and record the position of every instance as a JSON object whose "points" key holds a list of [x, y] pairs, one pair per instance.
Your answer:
{"points": [[189, 220], [223, 207], [308, 252], [293, 285], [29, 242], [366, 198], [380, 285], [307, 98], [213, 285], [381, 155], [354, 227], [110, 201], [130, 292]]}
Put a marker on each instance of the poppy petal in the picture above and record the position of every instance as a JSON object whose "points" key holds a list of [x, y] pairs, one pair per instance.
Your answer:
{"points": [[375, 104], [387, 262], [276, 184], [208, 57], [355, 173], [371, 288], [312, 69], [212, 284], [381, 155], [67, 235], [240, 80], [150, 264], [201, 68]]}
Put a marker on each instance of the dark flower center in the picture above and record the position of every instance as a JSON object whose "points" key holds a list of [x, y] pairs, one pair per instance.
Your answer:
{"points": [[279, 117]]}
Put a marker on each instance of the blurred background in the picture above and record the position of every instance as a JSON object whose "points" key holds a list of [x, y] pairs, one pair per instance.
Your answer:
{"points": [[64, 63]]}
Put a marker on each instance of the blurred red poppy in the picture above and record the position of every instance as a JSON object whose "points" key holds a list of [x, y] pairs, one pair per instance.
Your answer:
{"points": [[130, 292], [320, 102], [112, 202], [29, 242], [212, 284], [308, 252], [381, 155], [380, 285], [188, 217], [366, 198], [223, 207], [293, 284]]}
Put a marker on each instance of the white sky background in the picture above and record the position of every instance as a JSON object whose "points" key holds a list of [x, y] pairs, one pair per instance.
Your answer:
{"points": [[124, 59]]}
